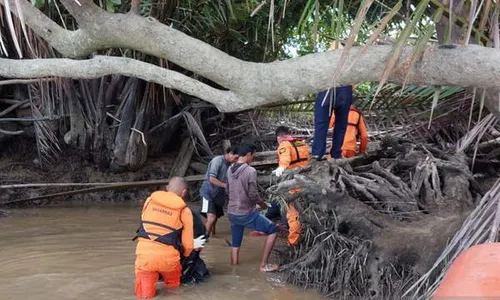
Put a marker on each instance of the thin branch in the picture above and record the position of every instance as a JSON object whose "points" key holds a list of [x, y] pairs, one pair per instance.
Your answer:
{"points": [[8, 132], [51, 118], [25, 81], [109, 186], [12, 107]]}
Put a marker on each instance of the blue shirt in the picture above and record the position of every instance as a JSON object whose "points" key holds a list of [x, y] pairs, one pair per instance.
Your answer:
{"points": [[216, 168]]}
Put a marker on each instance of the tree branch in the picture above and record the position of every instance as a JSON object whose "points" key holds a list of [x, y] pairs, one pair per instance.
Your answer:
{"points": [[44, 27], [135, 7], [100, 66], [8, 132], [256, 84]]}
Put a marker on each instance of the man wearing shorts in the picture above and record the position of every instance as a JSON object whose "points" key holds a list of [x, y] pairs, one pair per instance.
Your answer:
{"points": [[243, 197], [212, 191]]}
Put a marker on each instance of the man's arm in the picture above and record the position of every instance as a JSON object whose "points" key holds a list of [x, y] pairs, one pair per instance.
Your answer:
{"points": [[187, 231], [253, 191], [213, 170], [213, 180], [363, 135]]}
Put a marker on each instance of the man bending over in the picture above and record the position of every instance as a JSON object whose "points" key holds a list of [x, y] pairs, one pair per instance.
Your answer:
{"points": [[164, 235], [212, 190]]}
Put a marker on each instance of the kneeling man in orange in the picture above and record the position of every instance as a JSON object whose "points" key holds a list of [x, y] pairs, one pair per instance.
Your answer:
{"points": [[165, 233]]}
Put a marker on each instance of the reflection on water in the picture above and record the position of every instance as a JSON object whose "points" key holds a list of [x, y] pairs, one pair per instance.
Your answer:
{"points": [[80, 253]]}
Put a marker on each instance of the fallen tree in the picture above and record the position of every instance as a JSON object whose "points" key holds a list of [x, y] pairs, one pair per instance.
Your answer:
{"points": [[372, 225], [247, 85]]}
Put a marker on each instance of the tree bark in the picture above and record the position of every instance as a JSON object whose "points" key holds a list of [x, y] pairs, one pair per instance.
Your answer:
{"points": [[249, 84], [183, 158], [119, 160]]}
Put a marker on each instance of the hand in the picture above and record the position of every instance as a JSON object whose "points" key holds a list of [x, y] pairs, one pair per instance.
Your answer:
{"points": [[199, 242], [263, 205], [279, 171]]}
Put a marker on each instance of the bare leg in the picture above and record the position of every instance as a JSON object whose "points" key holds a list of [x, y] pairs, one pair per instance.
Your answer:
{"points": [[268, 247], [213, 227], [210, 223], [235, 256]]}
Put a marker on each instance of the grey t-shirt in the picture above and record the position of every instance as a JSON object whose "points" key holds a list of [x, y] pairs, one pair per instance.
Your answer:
{"points": [[218, 169]]}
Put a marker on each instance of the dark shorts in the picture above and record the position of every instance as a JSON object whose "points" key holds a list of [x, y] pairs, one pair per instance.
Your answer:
{"points": [[254, 221], [209, 206]]}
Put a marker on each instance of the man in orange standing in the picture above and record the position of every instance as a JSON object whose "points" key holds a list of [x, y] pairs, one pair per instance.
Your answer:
{"points": [[165, 233], [292, 153], [356, 126]]}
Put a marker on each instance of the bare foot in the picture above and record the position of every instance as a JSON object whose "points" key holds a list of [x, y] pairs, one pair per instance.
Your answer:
{"points": [[269, 268]]}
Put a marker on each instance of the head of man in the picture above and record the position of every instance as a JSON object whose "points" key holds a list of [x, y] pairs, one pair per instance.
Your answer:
{"points": [[282, 133], [246, 153], [178, 186], [231, 154]]}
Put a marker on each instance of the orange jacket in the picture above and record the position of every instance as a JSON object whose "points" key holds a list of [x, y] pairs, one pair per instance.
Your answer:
{"points": [[293, 153], [356, 125], [166, 226]]}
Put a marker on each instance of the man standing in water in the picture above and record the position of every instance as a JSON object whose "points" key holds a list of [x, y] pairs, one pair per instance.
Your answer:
{"points": [[243, 197], [212, 190], [165, 233]]}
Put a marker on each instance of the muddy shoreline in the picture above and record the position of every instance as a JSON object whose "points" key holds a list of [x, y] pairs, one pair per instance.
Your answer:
{"points": [[20, 166]]}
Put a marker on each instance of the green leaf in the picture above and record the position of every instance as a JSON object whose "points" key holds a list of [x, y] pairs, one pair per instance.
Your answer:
{"points": [[38, 3]]}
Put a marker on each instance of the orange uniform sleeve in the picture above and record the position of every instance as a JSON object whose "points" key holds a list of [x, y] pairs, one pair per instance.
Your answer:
{"points": [[284, 155], [187, 237], [332, 121], [363, 135]]}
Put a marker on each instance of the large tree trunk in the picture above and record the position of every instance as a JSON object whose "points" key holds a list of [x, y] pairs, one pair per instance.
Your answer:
{"points": [[248, 85], [370, 226]]}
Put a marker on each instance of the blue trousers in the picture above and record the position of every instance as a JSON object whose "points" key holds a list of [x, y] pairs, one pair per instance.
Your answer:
{"points": [[254, 221], [341, 102]]}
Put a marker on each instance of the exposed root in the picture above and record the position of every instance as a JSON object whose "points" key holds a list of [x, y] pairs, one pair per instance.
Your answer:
{"points": [[371, 226]]}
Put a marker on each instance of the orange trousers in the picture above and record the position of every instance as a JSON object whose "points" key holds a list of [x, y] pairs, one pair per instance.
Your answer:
{"points": [[147, 270], [292, 216], [473, 275]]}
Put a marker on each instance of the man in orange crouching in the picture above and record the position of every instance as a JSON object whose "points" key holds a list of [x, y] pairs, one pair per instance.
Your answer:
{"points": [[165, 233], [292, 153], [356, 127]]}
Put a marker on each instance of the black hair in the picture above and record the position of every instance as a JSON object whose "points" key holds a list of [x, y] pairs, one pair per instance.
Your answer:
{"points": [[244, 149], [232, 149], [282, 130]]}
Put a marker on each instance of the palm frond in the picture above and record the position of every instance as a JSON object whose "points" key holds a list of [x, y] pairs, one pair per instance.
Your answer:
{"points": [[481, 226]]}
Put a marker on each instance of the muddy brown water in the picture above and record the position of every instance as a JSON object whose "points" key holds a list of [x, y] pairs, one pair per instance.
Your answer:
{"points": [[87, 253]]}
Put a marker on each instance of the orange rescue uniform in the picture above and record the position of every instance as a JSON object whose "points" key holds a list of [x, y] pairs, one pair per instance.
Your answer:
{"points": [[356, 126], [165, 232], [293, 153]]}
